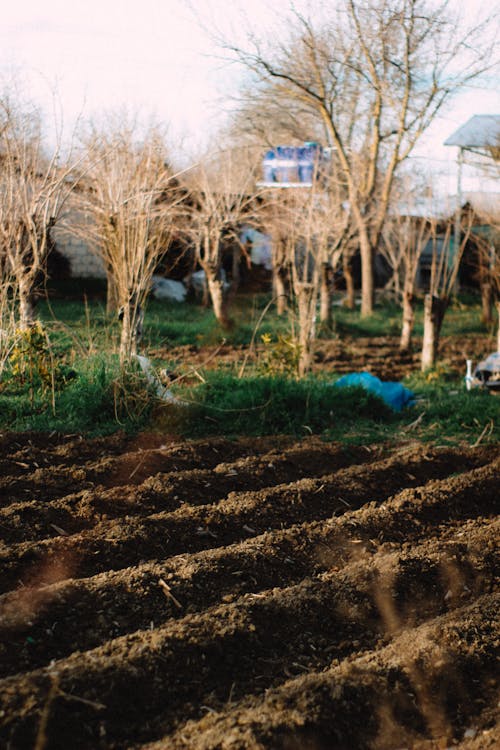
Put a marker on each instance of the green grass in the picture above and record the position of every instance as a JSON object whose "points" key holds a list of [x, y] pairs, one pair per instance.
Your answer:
{"points": [[225, 405], [100, 398], [270, 405], [169, 324], [463, 317]]}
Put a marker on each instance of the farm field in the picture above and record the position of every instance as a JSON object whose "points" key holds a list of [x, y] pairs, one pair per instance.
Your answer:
{"points": [[251, 593]]}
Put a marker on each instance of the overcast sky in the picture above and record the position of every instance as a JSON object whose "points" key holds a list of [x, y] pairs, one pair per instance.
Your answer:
{"points": [[154, 55]]}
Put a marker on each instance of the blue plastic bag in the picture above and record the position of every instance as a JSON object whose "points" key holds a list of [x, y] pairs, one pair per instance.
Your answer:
{"points": [[394, 394]]}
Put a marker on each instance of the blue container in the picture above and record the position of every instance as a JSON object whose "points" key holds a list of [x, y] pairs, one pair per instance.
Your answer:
{"points": [[268, 165]]}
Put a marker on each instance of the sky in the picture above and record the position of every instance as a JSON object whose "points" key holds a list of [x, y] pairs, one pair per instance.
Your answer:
{"points": [[156, 57]]}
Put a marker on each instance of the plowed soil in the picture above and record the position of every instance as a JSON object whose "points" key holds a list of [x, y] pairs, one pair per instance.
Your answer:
{"points": [[247, 594], [379, 355]]}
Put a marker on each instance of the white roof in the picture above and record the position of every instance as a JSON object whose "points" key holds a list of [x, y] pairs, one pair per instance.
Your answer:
{"points": [[444, 207], [481, 131], [484, 203], [427, 208]]}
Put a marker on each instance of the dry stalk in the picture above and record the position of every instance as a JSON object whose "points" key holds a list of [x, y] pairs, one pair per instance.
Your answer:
{"points": [[488, 428], [168, 592]]}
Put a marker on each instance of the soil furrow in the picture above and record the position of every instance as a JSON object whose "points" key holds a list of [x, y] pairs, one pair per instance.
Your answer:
{"points": [[36, 476], [128, 541], [261, 593], [166, 492], [254, 640], [429, 684], [113, 604]]}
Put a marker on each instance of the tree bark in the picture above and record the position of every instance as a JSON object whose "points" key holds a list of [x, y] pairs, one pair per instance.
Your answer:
{"points": [[367, 274], [434, 310], [218, 296], [306, 302], [350, 301], [128, 340], [408, 320], [27, 303], [325, 296], [279, 289], [486, 302]]}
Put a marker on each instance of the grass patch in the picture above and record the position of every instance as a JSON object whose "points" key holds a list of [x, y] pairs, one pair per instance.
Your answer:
{"points": [[98, 400], [169, 324], [226, 405]]}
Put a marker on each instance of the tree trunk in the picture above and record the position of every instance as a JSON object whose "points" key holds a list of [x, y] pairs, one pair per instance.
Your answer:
{"points": [[350, 301], [306, 302], [434, 310], [218, 296], [27, 303], [325, 296], [408, 319], [128, 340], [236, 276], [205, 298], [279, 289], [367, 274], [486, 302], [498, 329], [112, 303]]}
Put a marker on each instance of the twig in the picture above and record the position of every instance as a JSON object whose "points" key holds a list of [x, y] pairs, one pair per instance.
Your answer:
{"points": [[59, 530], [168, 593], [41, 735], [487, 431], [194, 371], [137, 467], [414, 424], [85, 701], [254, 334]]}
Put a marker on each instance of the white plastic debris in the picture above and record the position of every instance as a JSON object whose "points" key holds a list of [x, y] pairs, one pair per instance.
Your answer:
{"points": [[168, 289], [486, 374], [163, 393]]}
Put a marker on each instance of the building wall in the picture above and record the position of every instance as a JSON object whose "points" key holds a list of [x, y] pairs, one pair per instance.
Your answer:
{"points": [[77, 247]]}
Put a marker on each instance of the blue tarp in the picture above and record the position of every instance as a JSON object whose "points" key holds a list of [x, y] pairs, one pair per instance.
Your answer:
{"points": [[394, 394]]}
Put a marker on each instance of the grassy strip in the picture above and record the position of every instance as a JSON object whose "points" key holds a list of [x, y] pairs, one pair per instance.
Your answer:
{"points": [[170, 324], [225, 405], [100, 399]]}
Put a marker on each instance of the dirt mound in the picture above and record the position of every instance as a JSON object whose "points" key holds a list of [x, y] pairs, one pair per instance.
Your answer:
{"points": [[258, 593]]}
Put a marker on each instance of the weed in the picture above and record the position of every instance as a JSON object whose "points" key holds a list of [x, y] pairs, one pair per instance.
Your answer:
{"points": [[280, 356]]}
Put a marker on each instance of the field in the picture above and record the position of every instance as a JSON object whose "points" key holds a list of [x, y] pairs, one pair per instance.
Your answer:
{"points": [[275, 564], [253, 593]]}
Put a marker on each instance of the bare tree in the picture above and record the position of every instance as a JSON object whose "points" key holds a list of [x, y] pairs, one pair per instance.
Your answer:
{"points": [[373, 75], [445, 265], [405, 235], [222, 197], [308, 228], [332, 235], [129, 195], [34, 187]]}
